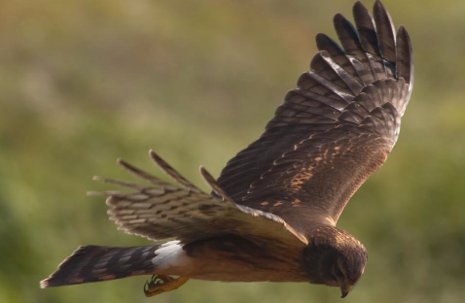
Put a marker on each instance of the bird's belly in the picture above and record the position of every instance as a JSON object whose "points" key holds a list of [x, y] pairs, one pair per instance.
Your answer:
{"points": [[245, 273], [231, 258]]}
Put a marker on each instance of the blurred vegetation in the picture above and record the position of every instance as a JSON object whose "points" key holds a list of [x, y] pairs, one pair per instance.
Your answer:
{"points": [[85, 82]]}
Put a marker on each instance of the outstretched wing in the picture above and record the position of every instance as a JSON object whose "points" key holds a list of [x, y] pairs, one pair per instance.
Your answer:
{"points": [[334, 129], [158, 211]]}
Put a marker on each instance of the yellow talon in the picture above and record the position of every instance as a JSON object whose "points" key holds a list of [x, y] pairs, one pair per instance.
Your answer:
{"points": [[158, 284]]}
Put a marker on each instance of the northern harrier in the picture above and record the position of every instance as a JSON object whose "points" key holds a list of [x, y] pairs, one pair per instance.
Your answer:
{"points": [[272, 213]]}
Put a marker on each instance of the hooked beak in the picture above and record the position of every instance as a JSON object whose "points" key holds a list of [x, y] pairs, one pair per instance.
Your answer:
{"points": [[345, 288]]}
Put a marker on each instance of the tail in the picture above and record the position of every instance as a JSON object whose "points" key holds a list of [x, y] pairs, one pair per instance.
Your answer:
{"points": [[100, 263]]}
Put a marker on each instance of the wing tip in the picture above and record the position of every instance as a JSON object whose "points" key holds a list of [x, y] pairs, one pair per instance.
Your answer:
{"points": [[124, 164], [379, 10], [339, 19], [378, 4], [358, 4], [211, 181], [404, 56], [154, 156], [159, 160], [359, 9], [206, 175]]}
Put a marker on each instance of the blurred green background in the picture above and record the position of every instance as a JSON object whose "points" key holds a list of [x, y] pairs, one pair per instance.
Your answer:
{"points": [[84, 82]]}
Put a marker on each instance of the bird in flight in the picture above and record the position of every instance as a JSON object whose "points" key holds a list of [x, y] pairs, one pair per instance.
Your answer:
{"points": [[272, 213]]}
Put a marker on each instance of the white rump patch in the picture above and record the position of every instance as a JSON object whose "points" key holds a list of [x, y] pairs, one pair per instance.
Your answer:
{"points": [[169, 255]]}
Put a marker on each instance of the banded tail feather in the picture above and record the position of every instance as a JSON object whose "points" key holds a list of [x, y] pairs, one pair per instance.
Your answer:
{"points": [[94, 263]]}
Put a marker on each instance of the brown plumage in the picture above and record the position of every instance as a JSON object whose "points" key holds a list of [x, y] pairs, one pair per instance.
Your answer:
{"points": [[273, 211]]}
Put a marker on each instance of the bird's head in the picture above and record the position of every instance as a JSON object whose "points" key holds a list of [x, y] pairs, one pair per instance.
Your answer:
{"points": [[335, 258]]}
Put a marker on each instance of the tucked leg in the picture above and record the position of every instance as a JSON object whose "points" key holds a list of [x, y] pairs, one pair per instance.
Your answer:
{"points": [[158, 284]]}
